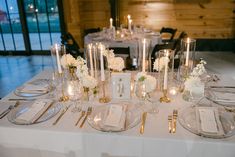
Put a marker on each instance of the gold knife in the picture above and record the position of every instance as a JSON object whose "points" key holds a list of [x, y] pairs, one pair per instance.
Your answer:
{"points": [[170, 123], [43, 112], [62, 113], [175, 115], [144, 115]]}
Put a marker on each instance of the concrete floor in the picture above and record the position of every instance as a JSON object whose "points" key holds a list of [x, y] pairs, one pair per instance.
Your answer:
{"points": [[15, 70]]}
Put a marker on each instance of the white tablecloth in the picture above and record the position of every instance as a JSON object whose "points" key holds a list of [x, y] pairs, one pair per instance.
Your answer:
{"points": [[132, 43], [66, 140]]}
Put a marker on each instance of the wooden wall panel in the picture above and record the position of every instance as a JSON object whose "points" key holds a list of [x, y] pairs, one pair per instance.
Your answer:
{"points": [[199, 18], [213, 19]]}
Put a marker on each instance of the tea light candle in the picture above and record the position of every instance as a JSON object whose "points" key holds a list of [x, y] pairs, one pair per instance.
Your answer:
{"points": [[91, 60], [102, 63], [143, 64], [58, 59], [187, 53], [173, 91], [111, 23]]}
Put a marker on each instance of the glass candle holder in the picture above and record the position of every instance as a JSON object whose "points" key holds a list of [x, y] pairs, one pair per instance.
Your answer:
{"points": [[187, 56], [144, 57]]}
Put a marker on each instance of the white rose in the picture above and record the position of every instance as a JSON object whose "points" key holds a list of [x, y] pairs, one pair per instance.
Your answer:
{"points": [[148, 80], [88, 81], [159, 63], [116, 63], [68, 60]]}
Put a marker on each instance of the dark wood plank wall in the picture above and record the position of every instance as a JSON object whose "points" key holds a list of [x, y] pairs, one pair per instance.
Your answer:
{"points": [[204, 19]]}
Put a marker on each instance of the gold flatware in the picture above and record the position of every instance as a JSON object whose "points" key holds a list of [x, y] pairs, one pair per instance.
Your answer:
{"points": [[89, 110], [144, 115], [61, 115], [47, 108], [80, 117], [170, 123], [175, 115], [4, 113]]}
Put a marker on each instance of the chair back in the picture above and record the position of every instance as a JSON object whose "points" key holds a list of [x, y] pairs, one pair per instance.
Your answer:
{"points": [[168, 34]]}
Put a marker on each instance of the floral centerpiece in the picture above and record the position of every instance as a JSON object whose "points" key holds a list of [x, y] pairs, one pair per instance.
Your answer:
{"points": [[159, 63], [144, 84], [193, 86], [88, 82], [114, 63]]}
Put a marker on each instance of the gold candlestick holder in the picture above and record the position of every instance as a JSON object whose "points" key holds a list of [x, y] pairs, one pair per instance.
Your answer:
{"points": [[165, 98], [63, 98], [104, 98]]}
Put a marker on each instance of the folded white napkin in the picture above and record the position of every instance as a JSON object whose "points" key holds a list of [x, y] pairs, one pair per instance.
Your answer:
{"points": [[35, 110], [30, 88], [208, 120], [115, 117]]}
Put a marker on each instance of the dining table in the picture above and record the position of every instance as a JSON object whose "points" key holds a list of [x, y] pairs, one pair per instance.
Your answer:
{"points": [[67, 140], [127, 39]]}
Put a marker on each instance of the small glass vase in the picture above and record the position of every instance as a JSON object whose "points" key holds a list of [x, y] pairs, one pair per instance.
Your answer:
{"points": [[72, 87], [86, 94], [195, 93]]}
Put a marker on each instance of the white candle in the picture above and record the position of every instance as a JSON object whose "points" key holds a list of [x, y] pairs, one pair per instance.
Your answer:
{"points": [[129, 24], [58, 59], [111, 23], [91, 60], [165, 73], [94, 52], [102, 62], [187, 53], [143, 63]]}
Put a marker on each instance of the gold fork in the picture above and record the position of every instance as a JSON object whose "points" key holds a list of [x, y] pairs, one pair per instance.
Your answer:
{"points": [[175, 115], [89, 110], [82, 114], [170, 123]]}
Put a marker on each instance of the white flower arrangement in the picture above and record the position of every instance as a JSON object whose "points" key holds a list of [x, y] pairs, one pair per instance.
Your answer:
{"points": [[88, 81], [109, 53], [159, 63], [82, 73], [116, 63], [82, 68], [67, 61], [193, 82], [148, 80]]}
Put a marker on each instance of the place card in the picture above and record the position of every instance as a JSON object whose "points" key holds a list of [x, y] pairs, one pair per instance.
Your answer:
{"points": [[121, 86], [115, 116], [208, 120], [35, 110]]}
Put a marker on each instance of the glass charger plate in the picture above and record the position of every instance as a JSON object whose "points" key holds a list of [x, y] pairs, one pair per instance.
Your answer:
{"points": [[97, 118], [222, 95], [51, 112], [189, 120], [38, 82]]}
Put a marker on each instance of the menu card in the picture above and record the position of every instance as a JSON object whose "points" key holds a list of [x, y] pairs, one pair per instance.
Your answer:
{"points": [[208, 120], [116, 116], [35, 110]]}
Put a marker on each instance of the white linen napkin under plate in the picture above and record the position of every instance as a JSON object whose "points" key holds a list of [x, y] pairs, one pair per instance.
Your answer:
{"points": [[35, 110], [209, 121], [37, 89], [115, 117]]}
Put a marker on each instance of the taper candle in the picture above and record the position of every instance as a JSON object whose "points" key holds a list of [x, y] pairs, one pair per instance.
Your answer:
{"points": [[187, 52], [143, 62], [102, 63], [58, 59], [91, 59], [165, 72]]}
